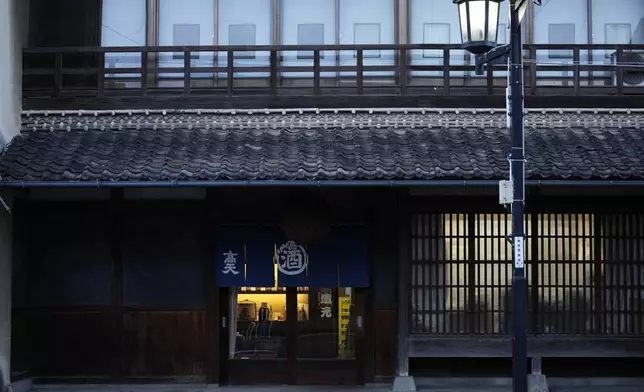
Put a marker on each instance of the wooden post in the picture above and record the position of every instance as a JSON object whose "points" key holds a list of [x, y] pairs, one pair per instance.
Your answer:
{"points": [[230, 73], [576, 72], [187, 75], [116, 300], [100, 74], [273, 77], [213, 317], [446, 81], [316, 72], [403, 382], [403, 71], [58, 74], [360, 70]]}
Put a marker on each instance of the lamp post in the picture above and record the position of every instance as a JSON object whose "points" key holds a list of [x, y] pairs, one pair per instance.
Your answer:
{"points": [[479, 29]]}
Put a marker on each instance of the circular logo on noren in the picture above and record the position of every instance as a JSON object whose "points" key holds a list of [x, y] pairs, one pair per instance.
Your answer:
{"points": [[292, 258]]}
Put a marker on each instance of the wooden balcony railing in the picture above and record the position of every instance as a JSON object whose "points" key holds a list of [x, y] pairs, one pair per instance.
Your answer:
{"points": [[335, 75]]}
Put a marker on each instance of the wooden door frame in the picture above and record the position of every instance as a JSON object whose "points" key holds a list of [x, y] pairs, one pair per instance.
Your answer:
{"points": [[291, 364]]}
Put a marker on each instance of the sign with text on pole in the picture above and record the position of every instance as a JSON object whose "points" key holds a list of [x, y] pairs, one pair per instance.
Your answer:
{"points": [[518, 252]]}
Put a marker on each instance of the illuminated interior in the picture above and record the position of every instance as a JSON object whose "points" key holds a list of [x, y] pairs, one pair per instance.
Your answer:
{"points": [[328, 335]]}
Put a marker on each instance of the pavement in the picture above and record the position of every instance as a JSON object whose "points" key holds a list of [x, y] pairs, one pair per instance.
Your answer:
{"points": [[461, 384]]}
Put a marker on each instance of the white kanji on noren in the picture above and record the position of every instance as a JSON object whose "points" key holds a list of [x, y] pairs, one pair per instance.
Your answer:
{"points": [[230, 263], [326, 299], [326, 312]]}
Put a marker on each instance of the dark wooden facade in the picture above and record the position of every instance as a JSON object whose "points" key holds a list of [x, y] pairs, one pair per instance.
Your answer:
{"points": [[123, 290], [96, 295], [585, 272]]}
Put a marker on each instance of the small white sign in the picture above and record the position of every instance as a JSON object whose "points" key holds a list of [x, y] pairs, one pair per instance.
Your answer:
{"points": [[505, 192], [518, 252]]}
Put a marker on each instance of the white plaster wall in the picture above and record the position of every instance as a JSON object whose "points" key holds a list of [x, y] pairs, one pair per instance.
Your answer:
{"points": [[615, 11], [14, 17]]}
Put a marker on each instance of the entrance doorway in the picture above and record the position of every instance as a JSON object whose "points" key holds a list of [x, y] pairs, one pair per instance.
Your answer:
{"points": [[298, 336]]}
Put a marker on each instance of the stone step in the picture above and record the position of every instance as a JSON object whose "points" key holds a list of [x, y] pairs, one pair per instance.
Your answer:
{"points": [[504, 384]]}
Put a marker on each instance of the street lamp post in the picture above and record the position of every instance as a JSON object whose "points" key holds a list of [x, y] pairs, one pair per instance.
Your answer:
{"points": [[479, 29]]}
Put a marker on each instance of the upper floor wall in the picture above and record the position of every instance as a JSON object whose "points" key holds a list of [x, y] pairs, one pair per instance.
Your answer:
{"points": [[288, 22], [257, 25]]}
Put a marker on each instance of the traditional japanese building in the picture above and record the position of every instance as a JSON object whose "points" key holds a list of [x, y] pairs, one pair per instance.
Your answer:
{"points": [[308, 194]]}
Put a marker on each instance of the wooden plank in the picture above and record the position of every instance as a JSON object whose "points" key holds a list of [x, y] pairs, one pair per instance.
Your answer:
{"points": [[166, 343], [472, 347], [245, 372], [88, 333], [327, 372], [385, 343]]}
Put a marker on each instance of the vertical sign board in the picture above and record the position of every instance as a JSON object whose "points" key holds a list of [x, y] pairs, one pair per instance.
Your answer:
{"points": [[518, 252]]}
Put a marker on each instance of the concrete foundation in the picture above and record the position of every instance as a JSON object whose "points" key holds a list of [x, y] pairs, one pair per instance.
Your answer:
{"points": [[404, 384], [538, 383]]}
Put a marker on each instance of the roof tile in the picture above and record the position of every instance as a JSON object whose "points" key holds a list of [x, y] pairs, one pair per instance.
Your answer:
{"points": [[319, 154]]}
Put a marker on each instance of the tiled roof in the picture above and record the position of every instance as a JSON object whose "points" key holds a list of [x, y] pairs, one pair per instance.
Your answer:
{"points": [[119, 147]]}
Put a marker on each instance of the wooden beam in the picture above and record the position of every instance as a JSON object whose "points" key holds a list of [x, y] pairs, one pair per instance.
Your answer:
{"points": [[329, 98], [545, 347]]}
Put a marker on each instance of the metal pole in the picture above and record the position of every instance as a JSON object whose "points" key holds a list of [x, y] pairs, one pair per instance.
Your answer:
{"points": [[517, 175]]}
